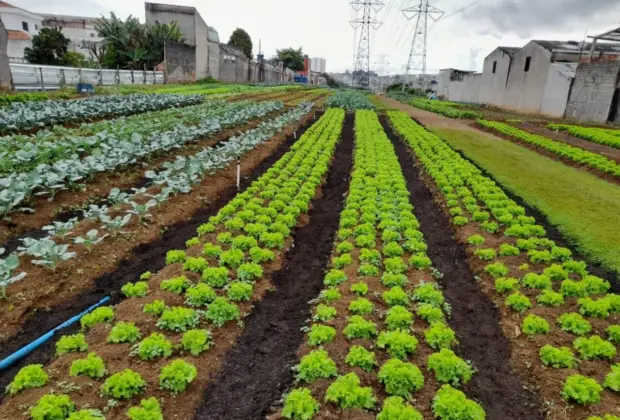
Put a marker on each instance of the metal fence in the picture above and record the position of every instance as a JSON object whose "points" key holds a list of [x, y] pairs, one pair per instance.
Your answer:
{"points": [[37, 77]]}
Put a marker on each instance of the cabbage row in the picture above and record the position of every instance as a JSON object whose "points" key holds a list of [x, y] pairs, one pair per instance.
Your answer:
{"points": [[541, 289], [203, 289], [28, 115], [361, 350], [564, 150], [349, 100], [17, 189], [597, 135], [177, 177]]}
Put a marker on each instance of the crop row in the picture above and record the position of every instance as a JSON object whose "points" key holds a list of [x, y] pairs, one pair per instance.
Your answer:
{"points": [[349, 100], [563, 320], [112, 153], [378, 338], [564, 150], [447, 109], [188, 309], [177, 177], [28, 115], [597, 135]]}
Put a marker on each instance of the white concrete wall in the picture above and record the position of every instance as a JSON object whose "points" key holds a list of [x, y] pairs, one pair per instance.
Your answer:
{"points": [[493, 85], [13, 18], [15, 47], [555, 96], [202, 47], [524, 90]]}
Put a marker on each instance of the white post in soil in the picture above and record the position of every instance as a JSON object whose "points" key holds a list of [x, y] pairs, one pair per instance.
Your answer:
{"points": [[238, 174]]}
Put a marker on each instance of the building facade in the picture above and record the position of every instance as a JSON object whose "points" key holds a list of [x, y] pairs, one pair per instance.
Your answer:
{"points": [[318, 65], [495, 75], [80, 31]]}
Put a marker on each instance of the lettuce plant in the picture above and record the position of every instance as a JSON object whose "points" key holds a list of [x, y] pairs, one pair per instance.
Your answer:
{"points": [[220, 311], [440, 336], [123, 332], [360, 357], [148, 409], [533, 324], [557, 357], [176, 376], [91, 366], [358, 327], [574, 323], [156, 307], [123, 385], [138, 289], [30, 376], [400, 378], [449, 368], [154, 346], [346, 392], [315, 365], [199, 295], [582, 390], [300, 405], [594, 347], [398, 343], [395, 408], [398, 318], [71, 343], [52, 406], [452, 404]]}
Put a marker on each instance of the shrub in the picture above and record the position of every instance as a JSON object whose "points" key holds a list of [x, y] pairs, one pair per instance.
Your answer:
{"points": [[176, 376], [398, 318], [358, 327], [175, 285], [199, 295], [221, 311], [71, 343], [395, 408], [557, 357], [52, 407], [320, 334], [91, 366], [506, 284], [361, 306], [360, 288], [123, 385], [156, 307], [138, 289], [148, 409], [216, 277], [360, 357], [497, 269], [315, 365], [124, 332], [400, 378], [574, 323], [178, 319], [99, 315], [533, 324], [449, 368], [594, 347], [582, 390], [452, 404], [518, 302], [30, 376], [346, 392], [396, 296], [440, 336], [550, 298], [300, 405], [196, 341], [154, 346], [398, 343]]}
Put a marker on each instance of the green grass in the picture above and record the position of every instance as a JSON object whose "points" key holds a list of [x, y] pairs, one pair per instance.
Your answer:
{"points": [[585, 208]]}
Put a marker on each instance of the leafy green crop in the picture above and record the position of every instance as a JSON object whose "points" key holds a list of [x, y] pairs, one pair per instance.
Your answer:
{"points": [[582, 390], [123, 332], [300, 405], [52, 407], [99, 315], [574, 323], [440, 336], [123, 385], [533, 324], [594, 347], [30, 376], [557, 357], [398, 343], [316, 364], [71, 343], [221, 311], [91, 366], [196, 341], [138, 289], [360, 357], [154, 346], [449, 368], [452, 404], [177, 375], [148, 409], [400, 378], [346, 392], [178, 319], [358, 327]]}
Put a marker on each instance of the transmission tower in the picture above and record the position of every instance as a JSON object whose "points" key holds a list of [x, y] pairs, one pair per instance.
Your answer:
{"points": [[417, 55], [361, 68], [380, 70]]}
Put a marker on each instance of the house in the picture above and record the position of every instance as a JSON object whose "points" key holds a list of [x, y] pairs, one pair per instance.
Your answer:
{"points": [[80, 31], [21, 26], [495, 75]]}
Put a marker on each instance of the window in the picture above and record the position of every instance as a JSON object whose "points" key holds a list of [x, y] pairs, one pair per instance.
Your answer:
{"points": [[25, 26], [528, 61], [494, 67]]}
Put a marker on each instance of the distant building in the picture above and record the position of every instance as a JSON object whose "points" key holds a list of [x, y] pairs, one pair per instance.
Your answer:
{"points": [[318, 65], [80, 30]]}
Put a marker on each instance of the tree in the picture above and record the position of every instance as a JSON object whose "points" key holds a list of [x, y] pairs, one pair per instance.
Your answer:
{"points": [[293, 59], [48, 47], [130, 44], [241, 39]]}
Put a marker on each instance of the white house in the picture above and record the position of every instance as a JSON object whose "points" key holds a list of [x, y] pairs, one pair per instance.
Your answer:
{"points": [[21, 26], [78, 29]]}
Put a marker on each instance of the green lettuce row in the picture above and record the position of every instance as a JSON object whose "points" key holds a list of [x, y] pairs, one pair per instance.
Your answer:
{"points": [[379, 230], [598, 135], [564, 150], [555, 280]]}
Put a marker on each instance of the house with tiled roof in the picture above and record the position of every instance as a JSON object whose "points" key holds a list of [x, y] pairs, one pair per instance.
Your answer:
{"points": [[21, 26]]}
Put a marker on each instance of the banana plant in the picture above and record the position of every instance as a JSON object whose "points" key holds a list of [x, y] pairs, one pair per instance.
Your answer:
{"points": [[7, 267]]}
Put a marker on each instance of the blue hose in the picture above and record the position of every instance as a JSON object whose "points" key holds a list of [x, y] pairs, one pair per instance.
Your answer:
{"points": [[27, 349]]}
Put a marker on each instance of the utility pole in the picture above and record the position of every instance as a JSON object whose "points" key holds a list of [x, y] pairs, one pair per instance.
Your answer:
{"points": [[361, 68], [417, 54], [380, 68]]}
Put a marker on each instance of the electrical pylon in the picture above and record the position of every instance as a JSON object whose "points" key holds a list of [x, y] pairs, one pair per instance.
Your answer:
{"points": [[417, 54], [361, 68]]}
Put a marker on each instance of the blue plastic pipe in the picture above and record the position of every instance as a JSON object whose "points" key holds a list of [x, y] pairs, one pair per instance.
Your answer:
{"points": [[27, 349]]}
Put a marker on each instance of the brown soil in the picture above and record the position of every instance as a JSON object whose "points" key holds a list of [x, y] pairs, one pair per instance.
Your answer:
{"points": [[474, 316], [45, 299], [564, 137], [541, 151], [257, 370], [524, 358], [66, 203]]}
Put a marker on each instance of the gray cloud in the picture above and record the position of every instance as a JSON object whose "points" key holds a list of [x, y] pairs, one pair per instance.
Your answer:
{"points": [[524, 17]]}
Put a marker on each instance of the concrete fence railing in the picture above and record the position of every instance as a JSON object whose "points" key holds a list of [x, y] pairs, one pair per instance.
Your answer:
{"points": [[39, 77]]}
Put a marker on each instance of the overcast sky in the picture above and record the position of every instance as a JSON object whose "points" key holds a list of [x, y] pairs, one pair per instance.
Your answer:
{"points": [[321, 27]]}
